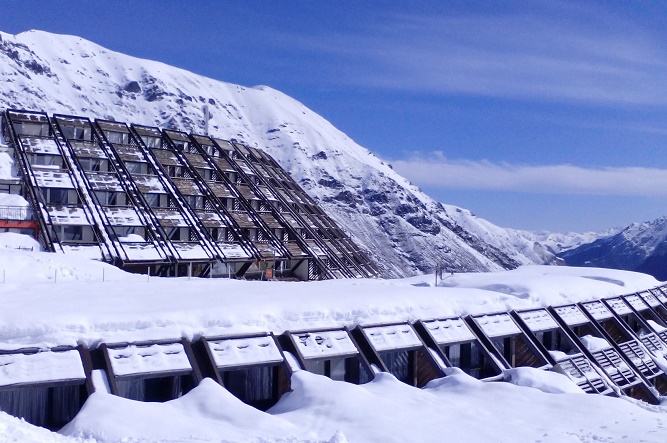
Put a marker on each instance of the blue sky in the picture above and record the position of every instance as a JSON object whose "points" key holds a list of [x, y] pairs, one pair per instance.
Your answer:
{"points": [[535, 115]]}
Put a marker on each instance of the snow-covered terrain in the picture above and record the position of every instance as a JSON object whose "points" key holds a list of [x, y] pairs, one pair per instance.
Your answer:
{"points": [[406, 231], [49, 299], [639, 247]]}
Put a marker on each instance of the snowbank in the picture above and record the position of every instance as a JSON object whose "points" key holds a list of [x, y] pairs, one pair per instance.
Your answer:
{"points": [[52, 299]]}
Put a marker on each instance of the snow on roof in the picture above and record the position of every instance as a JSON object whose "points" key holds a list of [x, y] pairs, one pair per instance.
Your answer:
{"points": [[232, 250], [539, 320], [122, 216], [68, 215], [324, 344], [497, 325], [650, 299], [91, 252], [103, 181], [52, 179], [149, 184], [170, 217], [44, 366], [571, 315], [619, 306], [156, 358], [597, 309], [636, 302], [142, 251], [129, 153], [87, 149], [392, 337], [234, 352], [661, 296], [192, 251], [656, 327], [450, 330], [40, 145]]}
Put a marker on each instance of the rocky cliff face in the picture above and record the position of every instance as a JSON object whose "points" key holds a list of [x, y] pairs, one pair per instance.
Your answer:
{"points": [[406, 231]]}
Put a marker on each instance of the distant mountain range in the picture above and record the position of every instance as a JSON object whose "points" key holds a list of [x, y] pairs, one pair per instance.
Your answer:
{"points": [[640, 247], [406, 231]]}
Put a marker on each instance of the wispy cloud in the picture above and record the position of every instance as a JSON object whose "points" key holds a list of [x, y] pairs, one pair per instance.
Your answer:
{"points": [[436, 171], [564, 53]]}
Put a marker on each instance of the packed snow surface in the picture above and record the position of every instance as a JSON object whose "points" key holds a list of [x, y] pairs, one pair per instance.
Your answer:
{"points": [[54, 299]]}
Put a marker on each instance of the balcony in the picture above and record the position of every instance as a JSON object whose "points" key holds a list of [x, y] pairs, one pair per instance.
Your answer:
{"points": [[16, 213]]}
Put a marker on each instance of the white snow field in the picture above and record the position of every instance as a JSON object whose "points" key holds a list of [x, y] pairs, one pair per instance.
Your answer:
{"points": [[50, 299]]}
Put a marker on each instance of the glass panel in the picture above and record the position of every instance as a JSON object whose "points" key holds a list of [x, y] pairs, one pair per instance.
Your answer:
{"points": [[72, 233], [253, 386], [337, 369], [36, 129], [46, 160], [136, 167], [398, 364], [50, 407], [151, 389], [55, 196], [118, 137], [152, 142], [316, 367], [153, 200]]}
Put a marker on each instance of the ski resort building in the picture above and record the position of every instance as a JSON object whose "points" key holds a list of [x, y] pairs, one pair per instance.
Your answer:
{"points": [[167, 202]]}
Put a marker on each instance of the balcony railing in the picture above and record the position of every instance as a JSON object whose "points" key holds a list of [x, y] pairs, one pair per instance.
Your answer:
{"points": [[16, 213]]}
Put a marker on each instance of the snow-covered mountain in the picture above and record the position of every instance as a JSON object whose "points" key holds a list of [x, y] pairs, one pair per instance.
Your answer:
{"points": [[406, 231], [639, 247]]}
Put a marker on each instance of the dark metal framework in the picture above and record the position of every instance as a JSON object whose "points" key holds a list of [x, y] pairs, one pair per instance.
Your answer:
{"points": [[141, 197], [601, 349], [564, 353]]}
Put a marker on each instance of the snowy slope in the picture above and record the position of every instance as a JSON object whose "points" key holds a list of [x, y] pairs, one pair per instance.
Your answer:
{"points": [[639, 247], [406, 231]]}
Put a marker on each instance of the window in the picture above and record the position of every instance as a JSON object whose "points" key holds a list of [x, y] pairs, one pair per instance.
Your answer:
{"points": [[195, 201], [206, 174], [120, 138], [46, 160], [77, 132], [182, 145], [111, 198], [179, 234], [59, 196], [136, 167], [157, 200], [94, 164], [218, 234], [174, 171], [128, 234], [72, 233], [35, 129], [334, 368], [399, 364], [156, 389], [253, 386], [152, 142], [51, 407]]}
